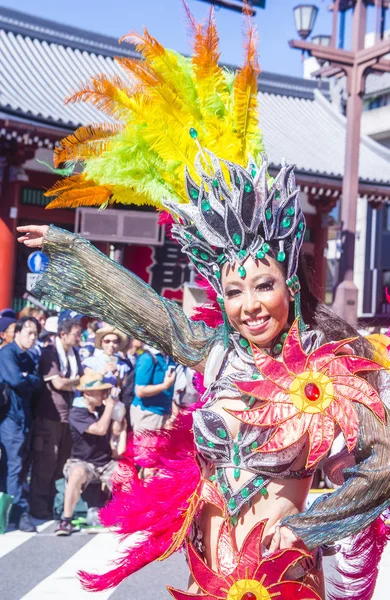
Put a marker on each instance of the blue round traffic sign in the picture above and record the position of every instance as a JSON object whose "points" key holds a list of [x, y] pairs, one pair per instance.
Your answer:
{"points": [[37, 262]]}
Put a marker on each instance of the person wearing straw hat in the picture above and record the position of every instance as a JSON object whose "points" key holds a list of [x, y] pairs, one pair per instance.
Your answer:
{"points": [[106, 360], [91, 457]]}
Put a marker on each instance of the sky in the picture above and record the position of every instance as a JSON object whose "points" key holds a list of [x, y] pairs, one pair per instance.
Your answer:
{"points": [[165, 19]]}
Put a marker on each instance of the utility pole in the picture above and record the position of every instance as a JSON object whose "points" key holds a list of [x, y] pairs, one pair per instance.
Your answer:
{"points": [[355, 64]]}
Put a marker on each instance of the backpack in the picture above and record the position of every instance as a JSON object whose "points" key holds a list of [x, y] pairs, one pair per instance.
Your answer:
{"points": [[128, 388]]}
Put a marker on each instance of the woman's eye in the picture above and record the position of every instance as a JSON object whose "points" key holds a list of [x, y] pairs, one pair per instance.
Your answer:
{"points": [[266, 286], [232, 293]]}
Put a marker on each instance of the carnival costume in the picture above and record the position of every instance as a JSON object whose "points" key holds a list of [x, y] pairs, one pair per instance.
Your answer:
{"points": [[183, 135]]}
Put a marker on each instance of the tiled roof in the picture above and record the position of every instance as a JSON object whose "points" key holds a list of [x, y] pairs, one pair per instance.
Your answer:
{"points": [[42, 62], [377, 84], [311, 134]]}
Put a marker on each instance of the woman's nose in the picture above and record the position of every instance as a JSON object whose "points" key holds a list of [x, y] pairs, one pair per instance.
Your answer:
{"points": [[251, 303]]}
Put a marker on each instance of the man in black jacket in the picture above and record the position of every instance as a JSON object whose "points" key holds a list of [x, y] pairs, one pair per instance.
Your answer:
{"points": [[18, 371]]}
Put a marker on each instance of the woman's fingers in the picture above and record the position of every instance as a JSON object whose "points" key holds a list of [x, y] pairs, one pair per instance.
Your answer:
{"points": [[30, 228]]}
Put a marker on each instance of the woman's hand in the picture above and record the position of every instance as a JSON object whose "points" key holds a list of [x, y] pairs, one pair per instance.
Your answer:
{"points": [[285, 538], [32, 235]]}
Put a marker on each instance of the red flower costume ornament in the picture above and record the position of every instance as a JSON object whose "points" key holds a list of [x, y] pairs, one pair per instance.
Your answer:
{"points": [[245, 575], [309, 394]]}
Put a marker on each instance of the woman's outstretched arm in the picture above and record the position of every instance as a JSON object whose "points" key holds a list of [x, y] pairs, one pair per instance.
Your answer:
{"points": [[80, 277]]}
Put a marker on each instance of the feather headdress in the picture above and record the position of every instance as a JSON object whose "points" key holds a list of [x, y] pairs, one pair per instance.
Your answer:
{"points": [[139, 155]]}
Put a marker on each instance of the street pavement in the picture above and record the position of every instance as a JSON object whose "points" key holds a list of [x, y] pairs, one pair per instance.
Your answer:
{"points": [[43, 567]]}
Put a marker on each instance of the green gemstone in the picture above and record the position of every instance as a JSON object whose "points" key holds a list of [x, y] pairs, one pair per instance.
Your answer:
{"points": [[248, 187], [245, 492], [193, 133], [233, 521], [232, 503], [284, 336], [224, 488], [236, 474], [251, 401], [213, 478], [243, 342], [300, 226], [195, 251], [260, 254], [199, 235], [194, 193], [217, 274], [204, 255], [277, 348], [236, 460], [215, 182], [239, 437], [263, 491], [299, 235], [221, 258], [277, 194], [256, 376], [221, 433], [219, 473], [268, 214], [241, 271], [236, 448], [236, 239], [286, 222], [249, 350], [187, 236], [258, 482], [266, 247], [242, 253], [290, 211], [281, 256], [253, 173], [211, 444], [205, 205], [254, 445], [200, 439]]}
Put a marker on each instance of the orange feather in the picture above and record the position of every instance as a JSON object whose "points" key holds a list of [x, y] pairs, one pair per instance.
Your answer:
{"points": [[85, 142], [146, 44], [107, 94], [245, 88]]}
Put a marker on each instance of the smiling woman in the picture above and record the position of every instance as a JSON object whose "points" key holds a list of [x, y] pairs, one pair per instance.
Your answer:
{"points": [[240, 466]]}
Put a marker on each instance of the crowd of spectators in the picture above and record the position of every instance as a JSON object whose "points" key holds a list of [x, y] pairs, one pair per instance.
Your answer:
{"points": [[70, 391]]}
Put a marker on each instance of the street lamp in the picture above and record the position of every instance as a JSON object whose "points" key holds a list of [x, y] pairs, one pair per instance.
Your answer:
{"points": [[355, 65], [305, 16], [322, 40]]}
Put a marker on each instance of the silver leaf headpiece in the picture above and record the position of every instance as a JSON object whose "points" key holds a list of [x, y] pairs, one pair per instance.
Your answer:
{"points": [[227, 221]]}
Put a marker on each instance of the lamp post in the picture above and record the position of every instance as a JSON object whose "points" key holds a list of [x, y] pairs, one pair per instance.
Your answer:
{"points": [[354, 64]]}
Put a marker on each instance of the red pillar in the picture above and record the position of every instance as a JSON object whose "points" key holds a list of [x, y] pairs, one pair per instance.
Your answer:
{"points": [[9, 202]]}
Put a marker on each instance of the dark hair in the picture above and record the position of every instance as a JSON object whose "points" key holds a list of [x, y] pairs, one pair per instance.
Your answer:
{"points": [[22, 322], [93, 325], [318, 316], [67, 325]]}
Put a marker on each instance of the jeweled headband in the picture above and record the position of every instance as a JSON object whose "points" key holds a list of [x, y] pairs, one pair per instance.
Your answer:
{"points": [[248, 215]]}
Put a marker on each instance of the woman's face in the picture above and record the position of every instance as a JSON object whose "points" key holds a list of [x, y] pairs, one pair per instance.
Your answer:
{"points": [[257, 306], [110, 344]]}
